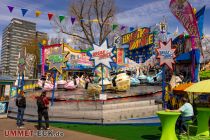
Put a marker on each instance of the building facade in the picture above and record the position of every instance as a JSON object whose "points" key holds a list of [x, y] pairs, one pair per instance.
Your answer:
{"points": [[14, 36]]}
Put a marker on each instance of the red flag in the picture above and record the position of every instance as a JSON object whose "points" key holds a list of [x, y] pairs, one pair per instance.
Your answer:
{"points": [[50, 15]]}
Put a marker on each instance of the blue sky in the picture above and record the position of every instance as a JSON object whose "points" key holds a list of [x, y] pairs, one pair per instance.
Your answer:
{"points": [[141, 13]]}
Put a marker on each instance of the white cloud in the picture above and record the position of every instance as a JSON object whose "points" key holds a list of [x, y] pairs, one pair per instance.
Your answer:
{"points": [[152, 13], [145, 15], [200, 3], [42, 22]]}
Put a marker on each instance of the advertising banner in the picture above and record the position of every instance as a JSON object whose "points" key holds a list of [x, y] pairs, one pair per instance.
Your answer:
{"points": [[120, 56], [166, 54], [183, 11], [138, 38], [102, 55], [79, 61], [57, 59]]}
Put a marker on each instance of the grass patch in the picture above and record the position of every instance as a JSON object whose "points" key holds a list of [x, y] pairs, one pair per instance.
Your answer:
{"points": [[125, 132], [117, 132], [204, 75]]}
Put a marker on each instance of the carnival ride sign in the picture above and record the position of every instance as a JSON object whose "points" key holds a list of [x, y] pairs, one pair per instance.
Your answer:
{"points": [[57, 59], [138, 38], [166, 54], [102, 54], [79, 61], [120, 56]]}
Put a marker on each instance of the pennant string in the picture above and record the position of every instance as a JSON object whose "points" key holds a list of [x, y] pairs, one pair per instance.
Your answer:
{"points": [[73, 19]]}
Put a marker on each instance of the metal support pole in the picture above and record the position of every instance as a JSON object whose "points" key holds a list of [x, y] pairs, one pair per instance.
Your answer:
{"points": [[53, 91], [163, 86]]}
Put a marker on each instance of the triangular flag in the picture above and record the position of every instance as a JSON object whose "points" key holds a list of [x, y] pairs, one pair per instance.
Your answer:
{"points": [[50, 15], [114, 26], [73, 20], [200, 19], [82, 20], [95, 20], [24, 11], [10, 8], [38, 13], [131, 29], [61, 18], [122, 27]]}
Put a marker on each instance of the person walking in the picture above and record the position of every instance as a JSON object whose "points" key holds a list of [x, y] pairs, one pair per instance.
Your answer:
{"points": [[21, 104], [43, 105]]}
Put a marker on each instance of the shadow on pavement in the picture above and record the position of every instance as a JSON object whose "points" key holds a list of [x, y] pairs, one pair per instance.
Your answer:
{"points": [[151, 137]]}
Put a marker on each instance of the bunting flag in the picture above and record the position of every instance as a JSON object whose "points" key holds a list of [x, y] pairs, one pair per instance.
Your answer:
{"points": [[24, 11], [114, 26], [131, 29], [73, 20], [194, 11], [38, 13], [82, 20], [122, 27], [61, 18], [50, 15], [200, 18], [10, 8], [95, 20]]}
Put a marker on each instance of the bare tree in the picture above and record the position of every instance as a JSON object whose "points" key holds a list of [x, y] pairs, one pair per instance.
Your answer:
{"points": [[206, 44], [93, 21]]}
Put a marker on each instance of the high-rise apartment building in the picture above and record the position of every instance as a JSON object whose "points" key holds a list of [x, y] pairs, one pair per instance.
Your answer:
{"points": [[15, 34]]}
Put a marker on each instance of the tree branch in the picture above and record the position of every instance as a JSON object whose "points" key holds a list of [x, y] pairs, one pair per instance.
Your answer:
{"points": [[102, 10], [90, 25]]}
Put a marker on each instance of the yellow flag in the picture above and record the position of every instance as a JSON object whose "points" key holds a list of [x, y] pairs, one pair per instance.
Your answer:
{"points": [[95, 20], [38, 13], [194, 11], [44, 42]]}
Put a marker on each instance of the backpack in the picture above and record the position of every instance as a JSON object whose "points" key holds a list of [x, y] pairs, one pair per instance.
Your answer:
{"points": [[19, 101], [40, 103]]}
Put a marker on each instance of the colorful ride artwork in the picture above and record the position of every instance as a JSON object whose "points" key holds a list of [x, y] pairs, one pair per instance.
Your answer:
{"points": [[74, 60], [135, 56], [136, 46]]}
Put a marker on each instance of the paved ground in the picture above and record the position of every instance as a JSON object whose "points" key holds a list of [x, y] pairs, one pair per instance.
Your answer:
{"points": [[10, 124]]}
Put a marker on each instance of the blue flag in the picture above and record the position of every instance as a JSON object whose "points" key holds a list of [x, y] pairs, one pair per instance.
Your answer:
{"points": [[200, 18], [24, 11]]}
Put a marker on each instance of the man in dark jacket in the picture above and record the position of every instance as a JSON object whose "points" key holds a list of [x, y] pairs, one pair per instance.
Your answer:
{"points": [[42, 104], [21, 104]]}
